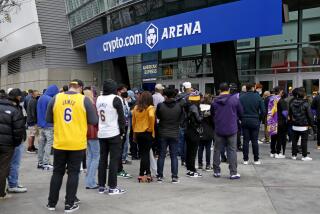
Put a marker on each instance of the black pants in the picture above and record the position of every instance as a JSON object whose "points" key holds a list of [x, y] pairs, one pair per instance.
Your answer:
{"points": [[192, 143], [318, 133], [112, 146], [250, 135], [274, 140], [65, 159], [123, 141], [145, 143], [304, 143], [204, 144], [134, 150], [282, 139], [84, 161], [6, 153]]}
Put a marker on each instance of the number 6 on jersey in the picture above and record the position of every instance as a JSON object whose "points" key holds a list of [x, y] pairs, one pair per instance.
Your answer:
{"points": [[68, 115]]}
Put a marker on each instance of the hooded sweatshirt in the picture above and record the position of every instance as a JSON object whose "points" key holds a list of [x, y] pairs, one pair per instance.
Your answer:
{"points": [[42, 105], [225, 110]]}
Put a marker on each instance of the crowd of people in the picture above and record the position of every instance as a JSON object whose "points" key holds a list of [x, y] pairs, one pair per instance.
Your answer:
{"points": [[95, 133]]}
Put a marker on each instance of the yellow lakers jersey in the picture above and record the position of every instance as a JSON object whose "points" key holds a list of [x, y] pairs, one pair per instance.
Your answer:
{"points": [[70, 122]]}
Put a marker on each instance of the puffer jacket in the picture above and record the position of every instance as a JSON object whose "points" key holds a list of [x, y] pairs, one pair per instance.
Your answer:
{"points": [[12, 124], [300, 113], [194, 118]]}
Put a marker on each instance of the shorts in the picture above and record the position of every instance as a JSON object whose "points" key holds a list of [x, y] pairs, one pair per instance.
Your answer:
{"points": [[33, 131]]}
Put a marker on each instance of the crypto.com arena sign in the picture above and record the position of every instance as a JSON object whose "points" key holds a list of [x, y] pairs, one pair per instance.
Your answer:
{"points": [[232, 21]]}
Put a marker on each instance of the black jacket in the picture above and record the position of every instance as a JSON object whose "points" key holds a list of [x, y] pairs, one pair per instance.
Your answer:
{"points": [[316, 106], [12, 124], [170, 114], [300, 113], [32, 112], [207, 127], [194, 118]]}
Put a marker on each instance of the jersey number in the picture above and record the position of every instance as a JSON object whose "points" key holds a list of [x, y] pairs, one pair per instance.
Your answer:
{"points": [[68, 115], [102, 116]]}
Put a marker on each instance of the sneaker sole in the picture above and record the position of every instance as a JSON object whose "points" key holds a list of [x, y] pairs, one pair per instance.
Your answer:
{"points": [[71, 211], [120, 193], [234, 178], [51, 209]]}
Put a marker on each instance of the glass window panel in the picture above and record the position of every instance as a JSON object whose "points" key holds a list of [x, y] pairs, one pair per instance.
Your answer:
{"points": [[311, 86], [170, 53], [192, 50]]}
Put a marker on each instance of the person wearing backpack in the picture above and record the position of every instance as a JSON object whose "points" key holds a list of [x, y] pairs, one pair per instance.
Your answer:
{"points": [[301, 117], [206, 134]]}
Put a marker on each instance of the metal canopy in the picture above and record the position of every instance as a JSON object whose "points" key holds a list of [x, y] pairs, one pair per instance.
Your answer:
{"points": [[301, 4]]}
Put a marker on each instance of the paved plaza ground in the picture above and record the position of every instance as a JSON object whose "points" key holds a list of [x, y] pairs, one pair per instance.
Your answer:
{"points": [[277, 186]]}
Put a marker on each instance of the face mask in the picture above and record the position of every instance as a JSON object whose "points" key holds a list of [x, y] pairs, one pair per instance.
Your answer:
{"points": [[124, 94]]}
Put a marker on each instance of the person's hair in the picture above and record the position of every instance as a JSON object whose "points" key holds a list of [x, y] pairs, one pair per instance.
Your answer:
{"points": [[65, 88], [30, 91], [169, 92], [295, 92], [258, 85], [301, 93], [121, 86], [224, 87], [249, 86], [207, 99], [145, 100], [284, 95], [277, 90], [88, 93], [3, 94], [233, 88]]}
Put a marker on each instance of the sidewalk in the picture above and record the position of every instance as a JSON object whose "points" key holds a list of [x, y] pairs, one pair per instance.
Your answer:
{"points": [[277, 186]]}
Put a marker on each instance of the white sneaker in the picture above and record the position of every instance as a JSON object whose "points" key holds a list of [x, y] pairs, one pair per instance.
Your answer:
{"points": [[257, 162], [306, 159], [245, 162], [280, 156], [294, 157], [17, 189], [272, 155], [47, 167]]}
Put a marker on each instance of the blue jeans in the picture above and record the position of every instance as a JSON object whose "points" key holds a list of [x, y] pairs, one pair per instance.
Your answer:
{"points": [[93, 156], [125, 148], [250, 134], [15, 166], [182, 145], [173, 148]]}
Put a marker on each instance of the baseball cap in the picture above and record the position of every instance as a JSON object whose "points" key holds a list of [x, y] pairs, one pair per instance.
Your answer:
{"points": [[187, 85], [159, 86], [76, 82]]}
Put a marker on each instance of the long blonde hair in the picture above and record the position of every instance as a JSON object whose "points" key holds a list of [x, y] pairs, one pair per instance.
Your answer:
{"points": [[88, 93]]}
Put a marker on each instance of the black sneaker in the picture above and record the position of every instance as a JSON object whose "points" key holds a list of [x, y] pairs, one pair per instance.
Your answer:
{"points": [[188, 174], [183, 163], [159, 179], [195, 175], [175, 180], [209, 168], [40, 166], [51, 207], [77, 200], [200, 166], [69, 209]]}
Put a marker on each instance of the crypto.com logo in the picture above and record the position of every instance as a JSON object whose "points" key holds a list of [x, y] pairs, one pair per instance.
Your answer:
{"points": [[152, 35]]}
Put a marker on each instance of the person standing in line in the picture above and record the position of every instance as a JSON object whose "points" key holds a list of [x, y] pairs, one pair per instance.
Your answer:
{"points": [[46, 129], [206, 134], [169, 114], [315, 106], [301, 116], [225, 111], [93, 147], [122, 92], [143, 125], [155, 151], [12, 134], [32, 121], [182, 98], [14, 96], [193, 125], [265, 97], [27, 99], [272, 119], [70, 112], [253, 110], [282, 126], [111, 133]]}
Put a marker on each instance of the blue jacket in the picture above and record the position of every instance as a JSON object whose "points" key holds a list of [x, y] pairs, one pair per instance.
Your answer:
{"points": [[43, 102]]}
